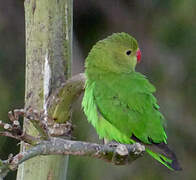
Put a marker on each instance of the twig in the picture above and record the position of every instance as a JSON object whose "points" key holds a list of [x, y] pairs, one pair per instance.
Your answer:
{"points": [[118, 154], [14, 129], [24, 137]]}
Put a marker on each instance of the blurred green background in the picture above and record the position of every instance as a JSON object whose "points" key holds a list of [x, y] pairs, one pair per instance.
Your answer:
{"points": [[166, 31]]}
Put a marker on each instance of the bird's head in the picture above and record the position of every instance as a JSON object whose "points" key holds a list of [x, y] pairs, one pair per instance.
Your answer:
{"points": [[118, 53]]}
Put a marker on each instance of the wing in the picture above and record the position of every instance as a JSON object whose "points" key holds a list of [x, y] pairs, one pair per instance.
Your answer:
{"points": [[126, 101], [103, 127]]}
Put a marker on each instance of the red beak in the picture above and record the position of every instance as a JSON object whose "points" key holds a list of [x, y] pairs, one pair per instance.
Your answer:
{"points": [[138, 55]]}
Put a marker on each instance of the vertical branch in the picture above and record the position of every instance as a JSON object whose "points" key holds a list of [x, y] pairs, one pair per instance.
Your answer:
{"points": [[48, 64]]}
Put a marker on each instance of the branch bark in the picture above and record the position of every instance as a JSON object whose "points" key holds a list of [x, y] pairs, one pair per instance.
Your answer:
{"points": [[119, 154]]}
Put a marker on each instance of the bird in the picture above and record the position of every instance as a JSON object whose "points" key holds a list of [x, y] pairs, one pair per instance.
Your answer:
{"points": [[119, 102]]}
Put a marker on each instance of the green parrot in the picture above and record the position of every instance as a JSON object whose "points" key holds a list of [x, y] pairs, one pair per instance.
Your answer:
{"points": [[118, 101]]}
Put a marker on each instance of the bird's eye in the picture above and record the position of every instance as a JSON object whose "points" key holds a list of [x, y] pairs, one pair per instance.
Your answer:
{"points": [[128, 52]]}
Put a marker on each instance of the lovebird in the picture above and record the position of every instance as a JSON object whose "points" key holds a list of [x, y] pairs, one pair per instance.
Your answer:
{"points": [[119, 102]]}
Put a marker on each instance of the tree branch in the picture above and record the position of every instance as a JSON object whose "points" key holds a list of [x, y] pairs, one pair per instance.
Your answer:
{"points": [[118, 154], [59, 103], [52, 126]]}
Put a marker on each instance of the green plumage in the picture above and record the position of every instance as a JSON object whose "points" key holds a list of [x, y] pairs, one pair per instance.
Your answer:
{"points": [[118, 101]]}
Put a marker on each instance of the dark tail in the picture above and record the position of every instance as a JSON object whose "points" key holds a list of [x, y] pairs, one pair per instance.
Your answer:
{"points": [[167, 157]]}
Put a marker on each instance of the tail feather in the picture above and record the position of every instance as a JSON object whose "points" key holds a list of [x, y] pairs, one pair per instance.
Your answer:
{"points": [[166, 156], [168, 159]]}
